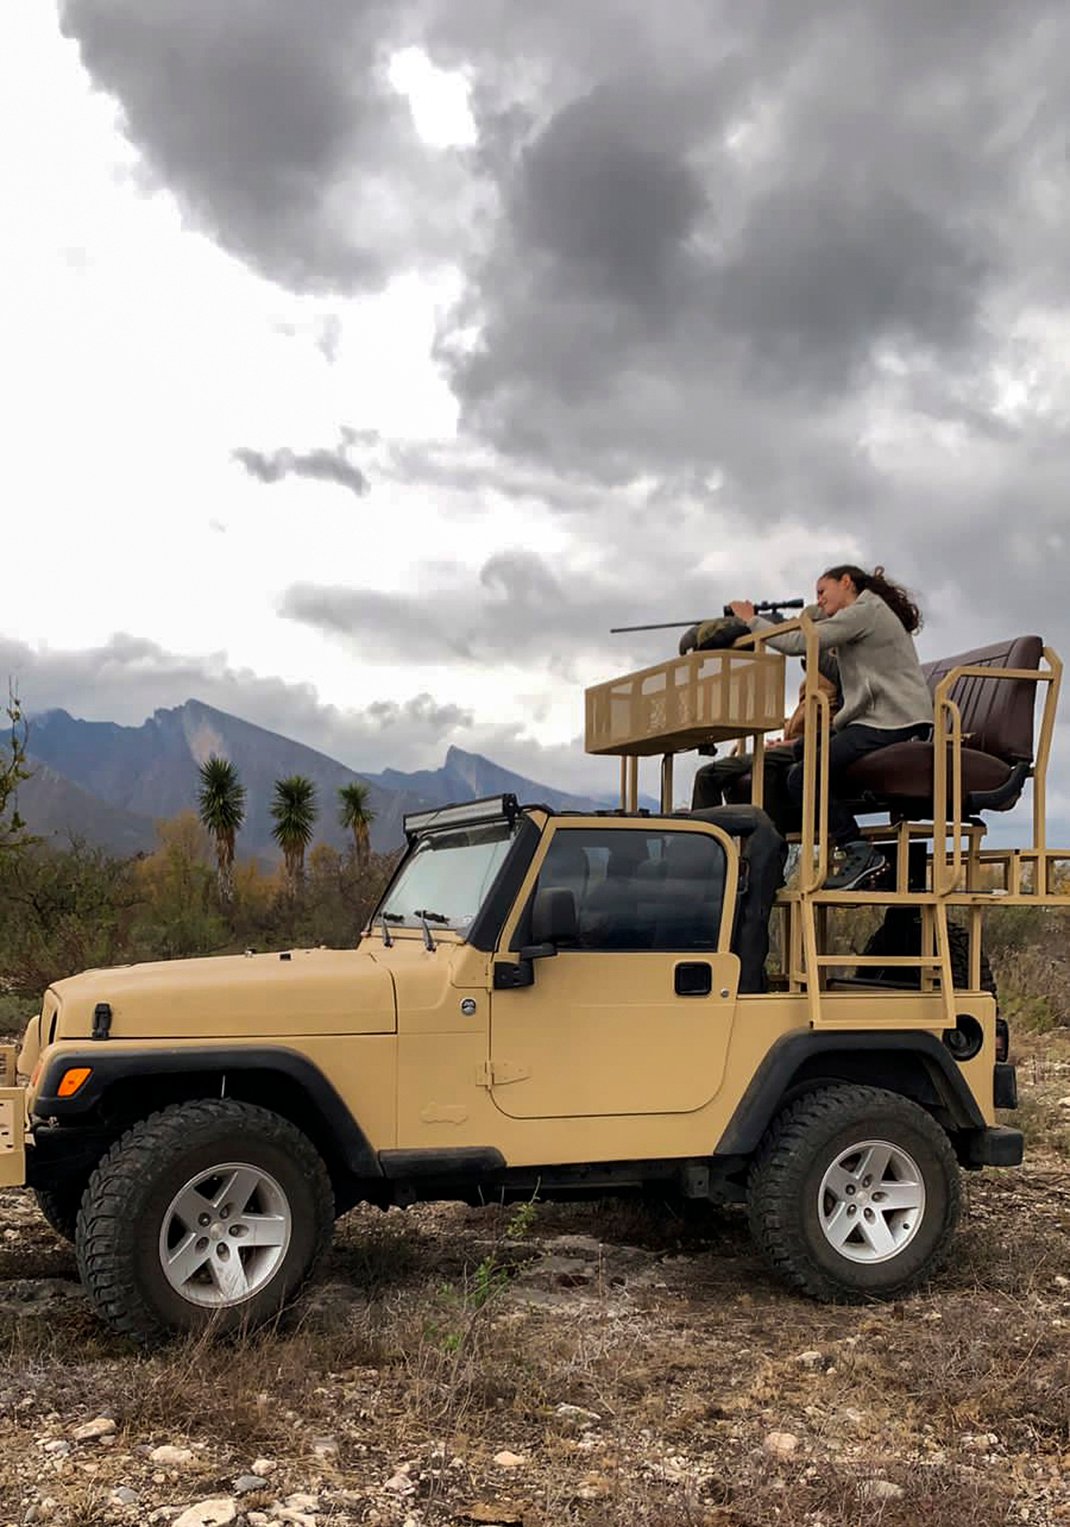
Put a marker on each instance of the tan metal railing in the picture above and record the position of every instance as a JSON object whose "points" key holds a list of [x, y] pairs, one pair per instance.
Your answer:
{"points": [[739, 693], [950, 863]]}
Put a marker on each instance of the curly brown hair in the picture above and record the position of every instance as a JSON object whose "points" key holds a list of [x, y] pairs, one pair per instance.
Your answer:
{"points": [[894, 595]]}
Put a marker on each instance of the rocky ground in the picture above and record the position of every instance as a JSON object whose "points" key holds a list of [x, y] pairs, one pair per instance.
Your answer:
{"points": [[600, 1365]]}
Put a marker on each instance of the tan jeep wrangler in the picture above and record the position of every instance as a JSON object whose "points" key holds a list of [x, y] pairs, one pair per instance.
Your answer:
{"points": [[544, 1003]]}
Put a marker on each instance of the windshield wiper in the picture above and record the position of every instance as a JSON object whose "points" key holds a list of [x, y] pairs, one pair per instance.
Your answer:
{"points": [[429, 942], [432, 917], [386, 918]]}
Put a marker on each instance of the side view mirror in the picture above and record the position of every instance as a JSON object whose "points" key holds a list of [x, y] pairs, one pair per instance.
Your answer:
{"points": [[553, 918], [553, 922]]}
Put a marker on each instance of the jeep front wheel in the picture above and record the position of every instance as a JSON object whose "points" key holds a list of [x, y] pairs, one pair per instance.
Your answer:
{"points": [[208, 1214], [854, 1194]]}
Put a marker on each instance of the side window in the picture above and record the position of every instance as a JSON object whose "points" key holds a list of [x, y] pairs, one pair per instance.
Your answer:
{"points": [[656, 890]]}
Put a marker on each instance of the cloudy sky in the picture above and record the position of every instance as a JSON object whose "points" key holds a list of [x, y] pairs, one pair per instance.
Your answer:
{"points": [[369, 359]]}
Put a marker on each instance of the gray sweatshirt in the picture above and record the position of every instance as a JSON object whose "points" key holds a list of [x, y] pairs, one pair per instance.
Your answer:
{"points": [[879, 673]]}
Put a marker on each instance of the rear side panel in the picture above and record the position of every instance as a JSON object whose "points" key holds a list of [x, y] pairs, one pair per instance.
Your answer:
{"points": [[12, 1137]]}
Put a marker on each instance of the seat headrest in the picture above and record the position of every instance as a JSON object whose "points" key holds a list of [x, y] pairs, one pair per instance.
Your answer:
{"points": [[689, 856]]}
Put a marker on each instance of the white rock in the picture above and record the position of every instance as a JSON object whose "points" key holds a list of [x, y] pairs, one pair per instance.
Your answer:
{"points": [[216, 1512], [811, 1359], [172, 1456], [263, 1466], [123, 1496], [780, 1444], [507, 1460], [57, 1445], [577, 1413], [295, 1518], [299, 1502], [882, 1489], [102, 1426], [399, 1482]]}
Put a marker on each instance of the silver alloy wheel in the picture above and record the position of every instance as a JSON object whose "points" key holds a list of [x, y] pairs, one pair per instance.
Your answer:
{"points": [[224, 1234], [871, 1201]]}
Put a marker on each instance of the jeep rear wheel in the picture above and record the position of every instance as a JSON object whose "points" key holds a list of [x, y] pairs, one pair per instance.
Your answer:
{"points": [[854, 1194], [208, 1214]]}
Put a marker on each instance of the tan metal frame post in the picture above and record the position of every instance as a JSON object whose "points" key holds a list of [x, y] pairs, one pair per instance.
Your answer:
{"points": [[943, 951], [633, 783], [817, 731], [814, 849], [902, 857], [1053, 678], [624, 781], [666, 783], [945, 878]]}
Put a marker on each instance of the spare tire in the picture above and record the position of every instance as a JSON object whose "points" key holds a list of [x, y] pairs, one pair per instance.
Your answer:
{"points": [[900, 933]]}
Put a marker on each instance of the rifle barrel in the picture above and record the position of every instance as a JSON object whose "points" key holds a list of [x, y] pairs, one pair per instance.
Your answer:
{"points": [[668, 625], [762, 607]]}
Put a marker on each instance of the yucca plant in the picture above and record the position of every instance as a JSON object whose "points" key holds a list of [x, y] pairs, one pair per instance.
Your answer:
{"points": [[356, 818], [294, 810], [221, 807]]}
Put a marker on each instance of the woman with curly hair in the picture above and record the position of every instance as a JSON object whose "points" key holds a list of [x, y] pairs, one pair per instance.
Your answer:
{"points": [[865, 629]]}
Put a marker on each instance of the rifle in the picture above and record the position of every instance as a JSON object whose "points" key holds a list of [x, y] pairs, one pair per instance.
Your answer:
{"points": [[761, 607]]}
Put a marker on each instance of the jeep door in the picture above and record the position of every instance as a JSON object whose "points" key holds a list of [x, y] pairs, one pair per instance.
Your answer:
{"points": [[633, 1013]]}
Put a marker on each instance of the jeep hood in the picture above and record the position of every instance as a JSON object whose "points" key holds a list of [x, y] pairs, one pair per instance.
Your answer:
{"points": [[308, 991]]}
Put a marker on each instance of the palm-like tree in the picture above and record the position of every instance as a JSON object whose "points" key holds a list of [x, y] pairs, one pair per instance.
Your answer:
{"points": [[294, 810], [221, 806], [356, 817]]}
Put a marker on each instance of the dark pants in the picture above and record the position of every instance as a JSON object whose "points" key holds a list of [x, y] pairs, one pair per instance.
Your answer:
{"points": [[727, 781], [846, 747]]}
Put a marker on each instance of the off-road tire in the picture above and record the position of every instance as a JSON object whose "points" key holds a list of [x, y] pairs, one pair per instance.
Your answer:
{"points": [[60, 1207], [802, 1144], [900, 933], [126, 1204]]}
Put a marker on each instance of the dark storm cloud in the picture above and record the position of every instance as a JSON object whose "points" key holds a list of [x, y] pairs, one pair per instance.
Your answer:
{"points": [[708, 250], [596, 195], [276, 127], [800, 253], [319, 465]]}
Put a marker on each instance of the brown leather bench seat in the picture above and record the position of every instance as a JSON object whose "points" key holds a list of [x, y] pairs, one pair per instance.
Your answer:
{"points": [[997, 735]]}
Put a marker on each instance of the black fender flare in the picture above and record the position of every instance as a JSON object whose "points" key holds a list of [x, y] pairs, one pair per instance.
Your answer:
{"points": [[110, 1068], [790, 1055]]}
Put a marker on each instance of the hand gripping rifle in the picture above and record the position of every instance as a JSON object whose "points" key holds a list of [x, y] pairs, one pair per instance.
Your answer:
{"points": [[761, 607]]}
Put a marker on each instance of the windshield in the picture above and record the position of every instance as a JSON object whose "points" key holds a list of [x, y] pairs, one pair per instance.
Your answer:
{"points": [[446, 880]]}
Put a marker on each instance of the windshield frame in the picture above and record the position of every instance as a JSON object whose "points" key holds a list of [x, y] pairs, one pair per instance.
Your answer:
{"points": [[483, 930]]}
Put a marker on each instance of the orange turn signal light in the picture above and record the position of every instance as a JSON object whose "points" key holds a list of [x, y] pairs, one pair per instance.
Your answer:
{"points": [[73, 1078]]}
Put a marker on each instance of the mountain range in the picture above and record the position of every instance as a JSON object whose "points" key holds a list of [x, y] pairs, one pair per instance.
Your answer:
{"points": [[109, 784]]}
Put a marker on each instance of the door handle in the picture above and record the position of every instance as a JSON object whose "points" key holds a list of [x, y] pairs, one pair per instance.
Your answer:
{"points": [[693, 978]]}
